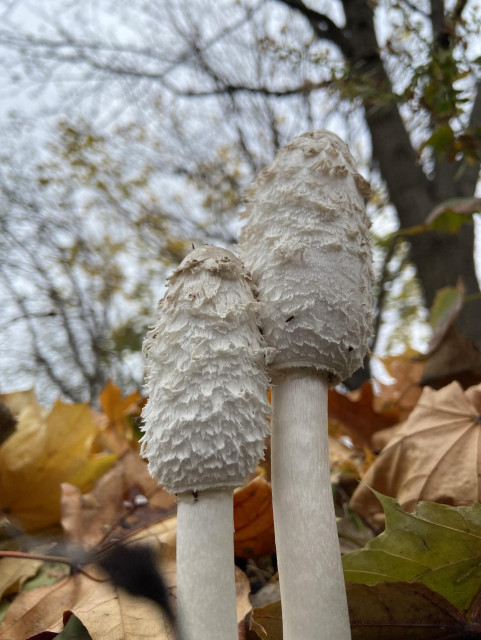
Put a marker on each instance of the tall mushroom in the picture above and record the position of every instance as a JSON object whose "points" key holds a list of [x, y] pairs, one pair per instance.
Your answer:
{"points": [[306, 244], [204, 424]]}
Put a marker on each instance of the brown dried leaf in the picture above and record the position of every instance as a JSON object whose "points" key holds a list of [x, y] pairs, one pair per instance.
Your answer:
{"points": [[253, 519], [13, 574], [17, 401], [402, 611], [451, 356], [347, 464], [434, 457], [380, 439], [267, 621], [125, 499], [106, 612], [386, 611], [404, 393], [359, 413], [454, 358], [242, 589]]}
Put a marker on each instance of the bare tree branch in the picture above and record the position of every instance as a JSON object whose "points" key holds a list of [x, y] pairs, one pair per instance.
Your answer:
{"points": [[306, 88], [70, 49], [458, 9], [59, 306], [322, 25], [39, 356]]}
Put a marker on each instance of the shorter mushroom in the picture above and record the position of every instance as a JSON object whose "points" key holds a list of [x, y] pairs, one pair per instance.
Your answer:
{"points": [[204, 424]]}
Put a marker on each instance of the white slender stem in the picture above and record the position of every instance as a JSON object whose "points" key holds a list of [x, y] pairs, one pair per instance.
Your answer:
{"points": [[206, 598], [314, 604]]}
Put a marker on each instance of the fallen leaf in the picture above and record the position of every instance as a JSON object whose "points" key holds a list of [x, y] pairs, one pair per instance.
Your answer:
{"points": [[116, 421], [74, 630], [385, 611], [403, 611], [17, 401], [437, 545], [124, 499], [454, 357], [406, 370], [242, 589], [359, 414], [107, 613], [450, 356], [14, 574], [48, 573], [406, 389], [267, 621], [422, 461], [117, 407], [347, 462], [382, 438], [47, 448], [253, 519]]}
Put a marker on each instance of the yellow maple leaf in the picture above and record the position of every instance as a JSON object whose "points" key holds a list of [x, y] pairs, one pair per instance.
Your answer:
{"points": [[116, 421], [48, 447]]}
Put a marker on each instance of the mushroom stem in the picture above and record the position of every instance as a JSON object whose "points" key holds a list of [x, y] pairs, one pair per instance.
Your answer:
{"points": [[205, 422], [206, 597], [306, 244], [314, 605]]}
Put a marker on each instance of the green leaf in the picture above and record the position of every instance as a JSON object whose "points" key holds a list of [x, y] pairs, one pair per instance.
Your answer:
{"points": [[437, 545], [49, 573], [74, 630], [449, 216], [450, 221], [441, 139], [4, 604], [446, 306]]}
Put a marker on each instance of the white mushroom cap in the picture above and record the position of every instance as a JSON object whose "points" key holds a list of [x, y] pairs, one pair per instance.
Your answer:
{"points": [[205, 419], [306, 244]]}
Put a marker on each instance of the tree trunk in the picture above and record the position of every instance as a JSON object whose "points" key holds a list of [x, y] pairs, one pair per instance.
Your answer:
{"points": [[440, 258]]}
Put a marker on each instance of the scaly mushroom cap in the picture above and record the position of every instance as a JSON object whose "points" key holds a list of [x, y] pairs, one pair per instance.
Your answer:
{"points": [[205, 419], [306, 244]]}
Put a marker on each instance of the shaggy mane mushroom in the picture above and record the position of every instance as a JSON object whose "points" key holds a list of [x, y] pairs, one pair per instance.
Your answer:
{"points": [[306, 244], [205, 423]]}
